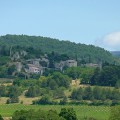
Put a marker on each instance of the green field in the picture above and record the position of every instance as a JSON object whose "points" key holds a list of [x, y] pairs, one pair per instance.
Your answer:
{"points": [[99, 112]]}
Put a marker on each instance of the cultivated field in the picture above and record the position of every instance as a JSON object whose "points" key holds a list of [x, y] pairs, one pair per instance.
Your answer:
{"points": [[99, 112]]}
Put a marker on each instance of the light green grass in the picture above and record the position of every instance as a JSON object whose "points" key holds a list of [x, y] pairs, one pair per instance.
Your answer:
{"points": [[99, 112]]}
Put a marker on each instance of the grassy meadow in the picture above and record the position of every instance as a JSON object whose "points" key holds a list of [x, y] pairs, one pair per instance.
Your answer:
{"points": [[99, 112]]}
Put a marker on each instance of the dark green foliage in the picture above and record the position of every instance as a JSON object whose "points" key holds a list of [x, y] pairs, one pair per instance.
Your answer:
{"points": [[1, 118], [44, 100], [88, 93], [95, 77], [108, 76], [14, 90], [77, 94], [4, 60], [13, 93], [36, 115], [3, 72], [34, 91], [68, 114], [96, 93], [4, 50], [58, 93], [89, 53], [117, 85], [85, 73], [57, 79], [2, 91], [11, 69], [73, 72]]}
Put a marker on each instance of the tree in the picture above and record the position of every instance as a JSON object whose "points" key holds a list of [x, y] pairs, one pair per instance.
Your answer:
{"points": [[11, 69], [1, 118], [79, 94], [36, 115], [74, 94], [2, 91], [60, 80], [44, 100], [97, 93], [94, 79], [59, 93], [117, 85], [73, 72], [68, 114], [88, 93], [13, 93], [33, 91]]}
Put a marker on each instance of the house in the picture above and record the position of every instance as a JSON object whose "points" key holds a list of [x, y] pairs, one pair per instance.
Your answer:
{"points": [[32, 69], [15, 56], [68, 63], [60, 65], [18, 66], [34, 62], [92, 65], [71, 63]]}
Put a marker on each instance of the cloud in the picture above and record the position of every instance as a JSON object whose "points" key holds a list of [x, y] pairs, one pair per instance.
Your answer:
{"points": [[110, 41]]}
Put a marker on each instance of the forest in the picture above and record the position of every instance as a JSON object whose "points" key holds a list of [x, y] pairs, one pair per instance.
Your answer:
{"points": [[88, 53]]}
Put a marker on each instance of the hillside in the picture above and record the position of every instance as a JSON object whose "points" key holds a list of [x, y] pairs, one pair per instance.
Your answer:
{"points": [[116, 53], [88, 53]]}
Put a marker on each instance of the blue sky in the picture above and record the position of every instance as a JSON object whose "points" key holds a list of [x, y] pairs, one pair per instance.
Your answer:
{"points": [[94, 22]]}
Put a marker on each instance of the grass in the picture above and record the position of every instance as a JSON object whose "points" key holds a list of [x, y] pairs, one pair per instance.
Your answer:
{"points": [[22, 98], [99, 112]]}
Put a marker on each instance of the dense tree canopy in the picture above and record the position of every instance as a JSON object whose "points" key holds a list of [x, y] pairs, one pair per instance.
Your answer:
{"points": [[108, 76], [87, 53]]}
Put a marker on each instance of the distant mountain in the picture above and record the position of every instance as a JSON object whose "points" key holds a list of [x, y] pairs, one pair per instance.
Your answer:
{"points": [[115, 53], [87, 53]]}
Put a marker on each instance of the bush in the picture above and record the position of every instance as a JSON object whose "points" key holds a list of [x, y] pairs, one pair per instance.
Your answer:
{"points": [[68, 114], [36, 115], [1, 118]]}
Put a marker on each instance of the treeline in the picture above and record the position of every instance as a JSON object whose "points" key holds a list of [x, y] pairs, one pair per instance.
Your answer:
{"points": [[107, 76], [86, 96], [65, 114], [104, 95], [86, 53]]}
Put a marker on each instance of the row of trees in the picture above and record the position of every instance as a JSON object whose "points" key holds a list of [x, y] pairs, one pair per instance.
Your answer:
{"points": [[65, 114], [95, 93]]}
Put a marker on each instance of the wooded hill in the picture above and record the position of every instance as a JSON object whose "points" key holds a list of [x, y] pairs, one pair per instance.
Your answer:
{"points": [[116, 53], [87, 53]]}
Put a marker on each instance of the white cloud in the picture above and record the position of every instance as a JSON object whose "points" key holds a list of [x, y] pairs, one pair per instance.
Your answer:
{"points": [[110, 41]]}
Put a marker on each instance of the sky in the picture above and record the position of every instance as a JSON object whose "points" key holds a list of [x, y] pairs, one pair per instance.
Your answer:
{"points": [[95, 22]]}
